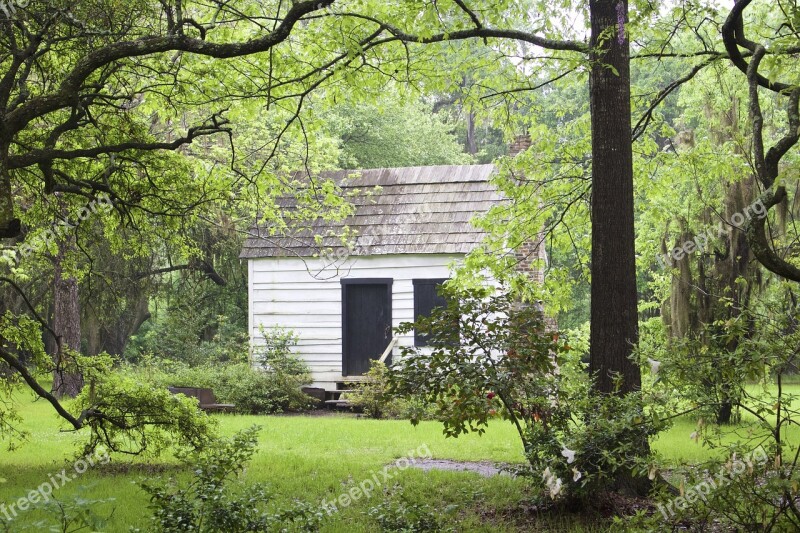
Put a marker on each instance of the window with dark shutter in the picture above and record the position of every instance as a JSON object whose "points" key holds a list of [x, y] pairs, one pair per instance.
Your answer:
{"points": [[426, 299]]}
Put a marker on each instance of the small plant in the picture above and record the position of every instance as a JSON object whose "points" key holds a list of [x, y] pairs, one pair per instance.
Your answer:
{"points": [[208, 504], [399, 514], [276, 352], [77, 514], [375, 398], [371, 396]]}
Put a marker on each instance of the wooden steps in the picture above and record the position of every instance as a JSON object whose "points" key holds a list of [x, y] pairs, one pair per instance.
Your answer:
{"points": [[333, 398]]}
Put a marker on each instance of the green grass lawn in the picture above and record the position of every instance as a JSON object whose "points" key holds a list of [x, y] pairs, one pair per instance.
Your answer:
{"points": [[314, 458]]}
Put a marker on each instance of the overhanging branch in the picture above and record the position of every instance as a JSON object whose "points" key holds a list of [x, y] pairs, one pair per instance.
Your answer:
{"points": [[756, 233], [200, 266], [30, 380]]}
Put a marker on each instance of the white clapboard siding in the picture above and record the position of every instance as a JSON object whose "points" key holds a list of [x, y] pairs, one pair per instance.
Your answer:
{"points": [[298, 294]]}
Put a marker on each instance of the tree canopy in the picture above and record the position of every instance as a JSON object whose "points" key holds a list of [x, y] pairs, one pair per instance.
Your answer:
{"points": [[188, 120]]}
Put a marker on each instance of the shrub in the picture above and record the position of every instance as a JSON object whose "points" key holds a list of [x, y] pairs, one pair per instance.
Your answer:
{"points": [[276, 352], [744, 491], [257, 391], [139, 418], [208, 504], [276, 386], [375, 398], [252, 390], [491, 357], [740, 365]]}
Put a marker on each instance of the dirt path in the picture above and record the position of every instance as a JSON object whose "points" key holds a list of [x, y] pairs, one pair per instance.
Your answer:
{"points": [[484, 468]]}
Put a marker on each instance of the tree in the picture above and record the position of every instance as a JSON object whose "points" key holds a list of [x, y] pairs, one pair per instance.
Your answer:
{"points": [[614, 313], [56, 119], [77, 124], [92, 120], [393, 133], [766, 162]]}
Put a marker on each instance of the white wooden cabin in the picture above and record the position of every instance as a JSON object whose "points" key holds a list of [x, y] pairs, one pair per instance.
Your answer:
{"points": [[344, 301]]}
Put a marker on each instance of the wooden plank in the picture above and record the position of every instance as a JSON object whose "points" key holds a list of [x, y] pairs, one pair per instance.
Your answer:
{"points": [[388, 350]]}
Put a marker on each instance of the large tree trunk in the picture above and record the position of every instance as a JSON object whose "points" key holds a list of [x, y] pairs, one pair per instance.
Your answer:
{"points": [[614, 329], [9, 226], [67, 380], [112, 336]]}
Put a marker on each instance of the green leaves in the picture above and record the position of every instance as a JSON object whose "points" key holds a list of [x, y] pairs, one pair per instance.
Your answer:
{"points": [[494, 359], [131, 417], [215, 501]]}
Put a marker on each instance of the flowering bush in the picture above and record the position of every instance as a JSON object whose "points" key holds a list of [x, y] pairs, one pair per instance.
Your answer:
{"points": [[492, 357]]}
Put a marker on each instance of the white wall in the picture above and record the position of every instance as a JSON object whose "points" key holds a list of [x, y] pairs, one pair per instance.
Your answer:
{"points": [[301, 295]]}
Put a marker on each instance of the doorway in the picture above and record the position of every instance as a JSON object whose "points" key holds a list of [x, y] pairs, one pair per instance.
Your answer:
{"points": [[366, 322]]}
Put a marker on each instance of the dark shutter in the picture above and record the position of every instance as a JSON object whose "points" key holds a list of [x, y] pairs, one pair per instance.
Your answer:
{"points": [[426, 298]]}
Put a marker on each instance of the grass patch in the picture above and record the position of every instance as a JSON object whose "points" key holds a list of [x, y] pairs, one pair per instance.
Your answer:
{"points": [[313, 458], [317, 458]]}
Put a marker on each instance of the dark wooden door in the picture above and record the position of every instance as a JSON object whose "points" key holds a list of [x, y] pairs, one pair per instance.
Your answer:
{"points": [[366, 323]]}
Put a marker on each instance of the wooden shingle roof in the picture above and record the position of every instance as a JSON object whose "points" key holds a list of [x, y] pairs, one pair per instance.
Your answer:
{"points": [[413, 210]]}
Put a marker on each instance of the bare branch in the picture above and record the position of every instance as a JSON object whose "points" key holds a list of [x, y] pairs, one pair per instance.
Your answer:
{"points": [[757, 239], [17, 365], [647, 117], [733, 37], [200, 266]]}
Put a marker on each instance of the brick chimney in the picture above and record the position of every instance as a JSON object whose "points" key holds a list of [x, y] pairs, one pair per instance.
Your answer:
{"points": [[531, 251], [532, 258], [531, 255], [519, 145]]}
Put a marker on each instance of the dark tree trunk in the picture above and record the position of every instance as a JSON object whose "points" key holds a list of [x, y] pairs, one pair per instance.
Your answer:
{"points": [[67, 380], [472, 144], [725, 411], [92, 331], [112, 336], [9, 226], [614, 317]]}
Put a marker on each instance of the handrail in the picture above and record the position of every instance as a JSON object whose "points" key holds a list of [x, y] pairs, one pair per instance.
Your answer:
{"points": [[388, 350]]}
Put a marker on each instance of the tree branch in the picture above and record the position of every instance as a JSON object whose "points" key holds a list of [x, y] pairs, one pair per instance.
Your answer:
{"points": [[42, 322], [733, 37], [34, 157], [647, 117], [15, 363], [482, 32], [200, 266], [472, 15], [18, 119]]}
